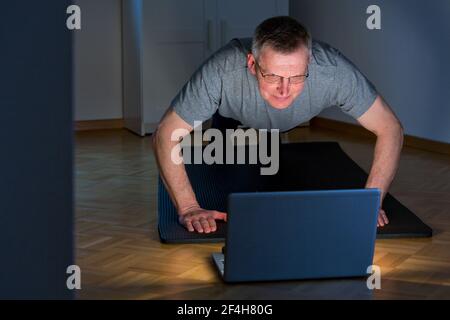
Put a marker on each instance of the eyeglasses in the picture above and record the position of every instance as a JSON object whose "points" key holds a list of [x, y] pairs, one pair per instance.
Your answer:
{"points": [[273, 78]]}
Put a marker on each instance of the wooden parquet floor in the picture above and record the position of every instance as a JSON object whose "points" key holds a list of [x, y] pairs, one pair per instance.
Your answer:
{"points": [[120, 256]]}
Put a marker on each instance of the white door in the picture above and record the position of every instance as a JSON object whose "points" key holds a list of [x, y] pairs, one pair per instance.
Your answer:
{"points": [[131, 65], [175, 43], [171, 40]]}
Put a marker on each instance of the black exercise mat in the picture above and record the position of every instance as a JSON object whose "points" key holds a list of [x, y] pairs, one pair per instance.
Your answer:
{"points": [[303, 166]]}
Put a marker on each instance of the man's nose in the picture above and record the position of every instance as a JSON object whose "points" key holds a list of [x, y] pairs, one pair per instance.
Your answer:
{"points": [[283, 87]]}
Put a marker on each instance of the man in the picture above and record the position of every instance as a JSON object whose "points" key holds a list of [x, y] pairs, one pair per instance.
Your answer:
{"points": [[277, 81]]}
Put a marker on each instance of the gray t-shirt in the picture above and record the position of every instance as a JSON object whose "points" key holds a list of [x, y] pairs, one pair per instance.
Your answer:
{"points": [[224, 83]]}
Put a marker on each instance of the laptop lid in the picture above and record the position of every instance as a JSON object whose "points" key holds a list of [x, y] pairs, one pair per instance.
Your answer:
{"points": [[300, 234]]}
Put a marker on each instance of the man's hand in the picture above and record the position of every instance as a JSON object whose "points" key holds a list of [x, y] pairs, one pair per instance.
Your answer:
{"points": [[382, 218], [201, 220]]}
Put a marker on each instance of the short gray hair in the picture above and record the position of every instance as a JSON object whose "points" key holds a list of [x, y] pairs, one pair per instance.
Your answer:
{"points": [[283, 34]]}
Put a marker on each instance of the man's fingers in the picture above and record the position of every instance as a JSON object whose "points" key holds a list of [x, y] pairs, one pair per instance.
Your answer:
{"points": [[212, 224], [205, 225], [218, 215], [203, 220], [197, 226], [189, 226], [380, 221], [385, 218]]}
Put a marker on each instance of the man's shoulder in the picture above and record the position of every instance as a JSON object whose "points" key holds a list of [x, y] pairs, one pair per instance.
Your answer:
{"points": [[324, 54], [233, 55]]}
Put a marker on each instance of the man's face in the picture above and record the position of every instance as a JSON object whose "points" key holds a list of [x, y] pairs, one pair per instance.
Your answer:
{"points": [[280, 94]]}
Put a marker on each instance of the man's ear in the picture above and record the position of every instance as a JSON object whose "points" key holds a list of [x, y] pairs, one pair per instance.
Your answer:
{"points": [[251, 63]]}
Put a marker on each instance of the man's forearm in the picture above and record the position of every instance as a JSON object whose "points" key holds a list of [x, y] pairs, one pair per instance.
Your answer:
{"points": [[386, 159], [174, 175]]}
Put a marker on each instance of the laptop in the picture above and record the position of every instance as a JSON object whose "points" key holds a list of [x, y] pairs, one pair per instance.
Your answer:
{"points": [[293, 235]]}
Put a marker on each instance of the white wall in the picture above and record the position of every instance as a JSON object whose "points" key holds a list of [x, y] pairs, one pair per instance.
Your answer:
{"points": [[98, 61], [407, 60]]}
